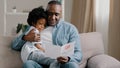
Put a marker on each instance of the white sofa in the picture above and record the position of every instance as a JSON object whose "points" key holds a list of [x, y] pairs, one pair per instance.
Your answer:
{"points": [[92, 48]]}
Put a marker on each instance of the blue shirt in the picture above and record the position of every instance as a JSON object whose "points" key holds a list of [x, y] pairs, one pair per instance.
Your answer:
{"points": [[63, 33]]}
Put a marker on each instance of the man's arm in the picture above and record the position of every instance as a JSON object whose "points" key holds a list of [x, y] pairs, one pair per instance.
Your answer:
{"points": [[77, 56], [74, 36], [18, 43], [20, 40]]}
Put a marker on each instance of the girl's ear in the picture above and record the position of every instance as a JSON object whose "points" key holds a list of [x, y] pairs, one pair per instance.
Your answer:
{"points": [[33, 24]]}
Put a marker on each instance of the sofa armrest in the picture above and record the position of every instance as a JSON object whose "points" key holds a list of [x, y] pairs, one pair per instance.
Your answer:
{"points": [[103, 61]]}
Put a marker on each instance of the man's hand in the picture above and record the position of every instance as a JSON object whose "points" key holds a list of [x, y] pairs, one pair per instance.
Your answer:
{"points": [[63, 59], [31, 36]]}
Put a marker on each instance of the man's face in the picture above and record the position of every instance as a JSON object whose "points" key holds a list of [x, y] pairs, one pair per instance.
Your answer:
{"points": [[54, 14]]}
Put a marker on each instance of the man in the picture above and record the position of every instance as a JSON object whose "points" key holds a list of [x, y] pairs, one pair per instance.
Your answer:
{"points": [[61, 32]]}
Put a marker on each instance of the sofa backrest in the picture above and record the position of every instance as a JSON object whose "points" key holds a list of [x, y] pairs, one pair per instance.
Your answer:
{"points": [[91, 44]]}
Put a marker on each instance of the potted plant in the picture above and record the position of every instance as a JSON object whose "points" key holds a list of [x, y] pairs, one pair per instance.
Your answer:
{"points": [[21, 27]]}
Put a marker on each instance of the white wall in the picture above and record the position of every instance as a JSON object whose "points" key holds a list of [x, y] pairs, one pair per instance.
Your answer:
{"points": [[1, 17], [9, 20], [8, 26], [23, 5], [102, 19]]}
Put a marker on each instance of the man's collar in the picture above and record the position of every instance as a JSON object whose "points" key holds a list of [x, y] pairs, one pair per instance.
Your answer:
{"points": [[58, 24]]}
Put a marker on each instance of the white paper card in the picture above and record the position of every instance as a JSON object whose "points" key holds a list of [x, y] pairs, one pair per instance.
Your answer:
{"points": [[55, 51]]}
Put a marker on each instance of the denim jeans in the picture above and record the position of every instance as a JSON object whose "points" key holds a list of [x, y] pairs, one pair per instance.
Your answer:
{"points": [[33, 64], [41, 59]]}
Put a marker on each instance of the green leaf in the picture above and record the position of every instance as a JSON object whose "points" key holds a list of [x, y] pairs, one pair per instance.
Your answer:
{"points": [[19, 27], [24, 27]]}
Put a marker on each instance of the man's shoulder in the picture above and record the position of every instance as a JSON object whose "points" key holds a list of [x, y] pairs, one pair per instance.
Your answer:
{"points": [[65, 23], [69, 25]]}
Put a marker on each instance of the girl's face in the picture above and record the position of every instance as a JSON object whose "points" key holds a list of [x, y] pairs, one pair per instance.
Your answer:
{"points": [[40, 25]]}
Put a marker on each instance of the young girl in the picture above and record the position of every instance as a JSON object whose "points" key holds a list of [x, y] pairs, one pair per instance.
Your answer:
{"points": [[35, 50]]}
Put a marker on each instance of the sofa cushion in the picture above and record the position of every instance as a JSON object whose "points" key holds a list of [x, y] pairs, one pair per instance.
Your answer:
{"points": [[91, 44], [9, 57], [103, 61]]}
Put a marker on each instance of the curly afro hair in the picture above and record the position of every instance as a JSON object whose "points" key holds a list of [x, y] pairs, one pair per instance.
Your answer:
{"points": [[35, 15]]}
